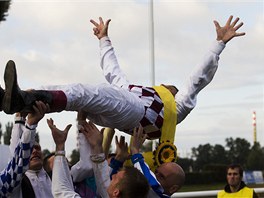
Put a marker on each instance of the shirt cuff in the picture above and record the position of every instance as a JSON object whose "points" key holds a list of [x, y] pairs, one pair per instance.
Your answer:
{"points": [[115, 164], [20, 120], [98, 158], [105, 41], [136, 158], [31, 127], [217, 47]]}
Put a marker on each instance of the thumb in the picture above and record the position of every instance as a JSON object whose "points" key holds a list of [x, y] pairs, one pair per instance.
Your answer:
{"points": [[68, 128]]}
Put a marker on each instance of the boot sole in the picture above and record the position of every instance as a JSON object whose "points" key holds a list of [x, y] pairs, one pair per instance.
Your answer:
{"points": [[10, 80]]}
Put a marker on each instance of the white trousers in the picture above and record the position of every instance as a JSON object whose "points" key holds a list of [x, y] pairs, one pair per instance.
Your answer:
{"points": [[106, 105]]}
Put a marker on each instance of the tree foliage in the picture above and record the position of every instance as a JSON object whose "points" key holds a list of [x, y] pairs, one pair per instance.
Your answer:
{"points": [[7, 133]]}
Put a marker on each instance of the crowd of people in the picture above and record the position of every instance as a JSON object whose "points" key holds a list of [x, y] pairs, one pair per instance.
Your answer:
{"points": [[137, 110]]}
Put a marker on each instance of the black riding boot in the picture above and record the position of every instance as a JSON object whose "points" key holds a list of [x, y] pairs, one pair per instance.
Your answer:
{"points": [[16, 100]]}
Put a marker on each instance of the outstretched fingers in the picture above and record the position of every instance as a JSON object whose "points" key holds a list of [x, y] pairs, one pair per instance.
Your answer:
{"points": [[229, 20]]}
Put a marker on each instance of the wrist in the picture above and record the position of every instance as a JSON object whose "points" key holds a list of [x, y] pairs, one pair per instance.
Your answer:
{"points": [[120, 158], [30, 126], [97, 149], [59, 153], [60, 147]]}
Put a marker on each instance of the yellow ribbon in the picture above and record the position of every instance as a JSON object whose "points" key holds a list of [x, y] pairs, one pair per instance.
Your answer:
{"points": [[168, 129]]}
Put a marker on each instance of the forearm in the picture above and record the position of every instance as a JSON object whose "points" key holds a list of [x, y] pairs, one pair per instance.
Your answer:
{"points": [[115, 166], [17, 130], [109, 64], [200, 77], [12, 175], [139, 163], [83, 168], [62, 185], [101, 170]]}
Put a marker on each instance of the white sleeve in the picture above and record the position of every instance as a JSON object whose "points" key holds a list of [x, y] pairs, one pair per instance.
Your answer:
{"points": [[83, 168], [16, 133], [109, 64], [102, 177], [62, 186], [200, 77]]}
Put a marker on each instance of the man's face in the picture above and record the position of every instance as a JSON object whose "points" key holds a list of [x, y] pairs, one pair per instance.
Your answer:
{"points": [[113, 189], [233, 177], [36, 158], [164, 175], [171, 88]]}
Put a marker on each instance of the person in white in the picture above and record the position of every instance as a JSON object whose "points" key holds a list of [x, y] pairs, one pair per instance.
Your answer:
{"points": [[12, 175], [40, 182], [120, 104], [62, 185]]}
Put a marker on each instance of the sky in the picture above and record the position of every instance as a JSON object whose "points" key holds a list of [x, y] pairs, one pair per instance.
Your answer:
{"points": [[52, 43]]}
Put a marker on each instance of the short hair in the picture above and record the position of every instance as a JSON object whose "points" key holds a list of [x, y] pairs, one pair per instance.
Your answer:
{"points": [[134, 184], [233, 166], [4, 7]]}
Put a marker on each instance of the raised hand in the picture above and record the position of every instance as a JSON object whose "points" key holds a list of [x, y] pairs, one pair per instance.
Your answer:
{"points": [[59, 136], [93, 136], [227, 32], [101, 29], [39, 111], [122, 153], [138, 139]]}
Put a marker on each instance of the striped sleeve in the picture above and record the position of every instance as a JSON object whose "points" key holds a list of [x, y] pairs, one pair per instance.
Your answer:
{"points": [[11, 176], [139, 163]]}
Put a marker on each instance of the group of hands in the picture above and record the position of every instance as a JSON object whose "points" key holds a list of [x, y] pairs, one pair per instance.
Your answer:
{"points": [[224, 33]]}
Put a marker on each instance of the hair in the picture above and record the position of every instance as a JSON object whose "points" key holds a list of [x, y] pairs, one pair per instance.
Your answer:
{"points": [[175, 88], [233, 166], [46, 165], [4, 7], [134, 184]]}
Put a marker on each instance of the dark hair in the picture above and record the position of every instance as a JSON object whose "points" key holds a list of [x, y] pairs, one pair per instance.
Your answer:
{"points": [[4, 7], [45, 164], [134, 184], [175, 88], [233, 166]]}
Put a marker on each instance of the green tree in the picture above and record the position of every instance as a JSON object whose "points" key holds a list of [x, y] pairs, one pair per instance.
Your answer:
{"points": [[186, 164], [219, 155], [255, 160], [45, 152], [202, 156], [238, 150], [7, 133], [75, 157]]}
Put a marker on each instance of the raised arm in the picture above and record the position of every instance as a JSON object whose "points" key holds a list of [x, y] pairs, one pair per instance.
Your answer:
{"points": [[109, 64], [204, 72], [83, 168], [11, 176], [100, 167], [62, 185]]}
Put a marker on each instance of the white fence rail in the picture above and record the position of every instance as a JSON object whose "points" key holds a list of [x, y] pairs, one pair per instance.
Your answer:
{"points": [[205, 193]]}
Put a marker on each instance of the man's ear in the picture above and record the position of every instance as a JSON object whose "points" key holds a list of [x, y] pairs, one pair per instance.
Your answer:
{"points": [[116, 193], [174, 189]]}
